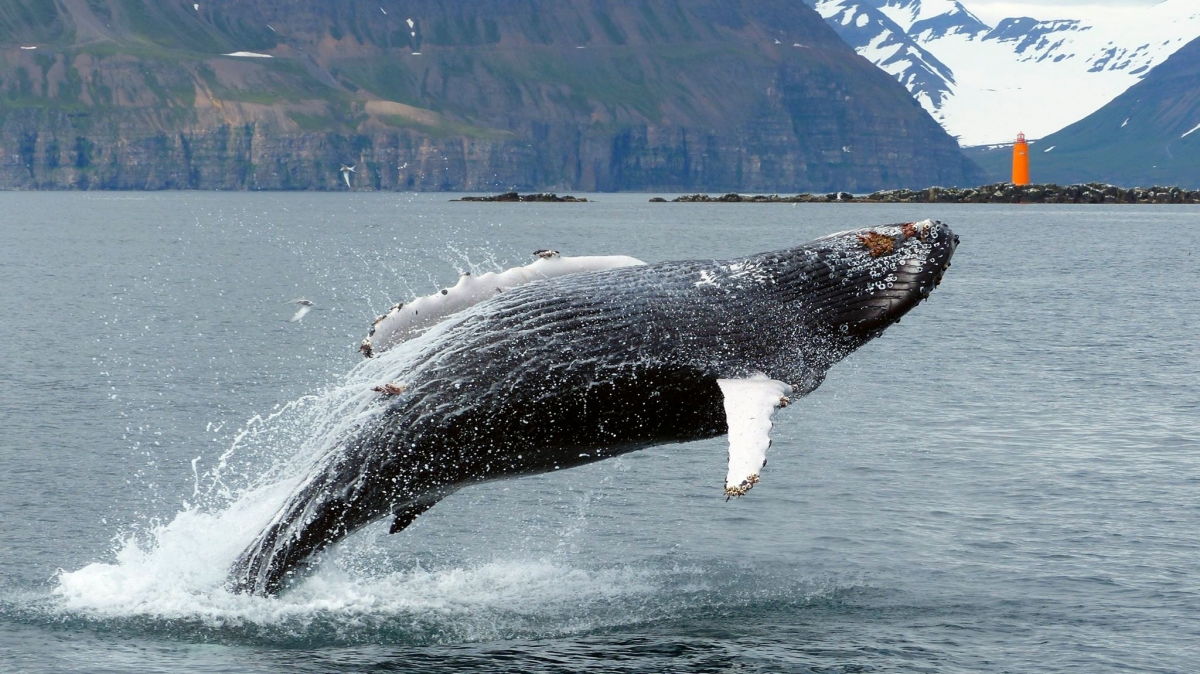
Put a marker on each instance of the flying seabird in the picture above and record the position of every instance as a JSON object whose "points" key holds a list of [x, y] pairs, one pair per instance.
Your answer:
{"points": [[346, 171], [305, 307]]}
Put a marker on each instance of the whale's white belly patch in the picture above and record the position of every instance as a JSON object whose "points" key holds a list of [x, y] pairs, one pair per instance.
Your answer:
{"points": [[405, 321]]}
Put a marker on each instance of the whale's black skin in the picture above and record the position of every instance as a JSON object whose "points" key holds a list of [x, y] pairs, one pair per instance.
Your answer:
{"points": [[575, 369]]}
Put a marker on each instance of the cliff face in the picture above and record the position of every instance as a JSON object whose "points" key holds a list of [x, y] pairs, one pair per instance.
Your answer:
{"points": [[452, 95], [1149, 135]]}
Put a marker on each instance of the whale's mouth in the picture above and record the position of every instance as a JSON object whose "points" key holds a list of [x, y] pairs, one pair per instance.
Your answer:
{"points": [[881, 273]]}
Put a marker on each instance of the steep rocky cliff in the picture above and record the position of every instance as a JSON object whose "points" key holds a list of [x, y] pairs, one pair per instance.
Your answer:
{"points": [[452, 95]]}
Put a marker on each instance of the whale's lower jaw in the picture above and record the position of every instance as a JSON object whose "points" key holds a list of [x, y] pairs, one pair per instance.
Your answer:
{"points": [[557, 373]]}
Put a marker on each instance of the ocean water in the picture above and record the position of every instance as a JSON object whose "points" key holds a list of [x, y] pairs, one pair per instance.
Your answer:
{"points": [[1006, 481]]}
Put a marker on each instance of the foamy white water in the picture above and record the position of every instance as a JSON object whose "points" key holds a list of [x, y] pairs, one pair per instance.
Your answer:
{"points": [[180, 569]]}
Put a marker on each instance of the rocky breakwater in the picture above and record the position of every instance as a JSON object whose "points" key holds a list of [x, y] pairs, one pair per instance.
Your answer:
{"points": [[544, 197], [999, 193]]}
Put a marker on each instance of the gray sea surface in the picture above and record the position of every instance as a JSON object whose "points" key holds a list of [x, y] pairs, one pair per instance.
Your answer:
{"points": [[1006, 481]]}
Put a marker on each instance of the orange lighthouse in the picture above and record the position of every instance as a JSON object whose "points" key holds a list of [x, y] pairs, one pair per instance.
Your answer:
{"points": [[1020, 161]]}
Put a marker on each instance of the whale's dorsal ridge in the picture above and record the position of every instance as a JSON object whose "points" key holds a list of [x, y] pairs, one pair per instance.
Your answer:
{"points": [[750, 404], [407, 320]]}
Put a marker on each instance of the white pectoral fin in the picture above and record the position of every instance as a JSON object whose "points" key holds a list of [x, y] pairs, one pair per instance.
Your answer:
{"points": [[749, 405]]}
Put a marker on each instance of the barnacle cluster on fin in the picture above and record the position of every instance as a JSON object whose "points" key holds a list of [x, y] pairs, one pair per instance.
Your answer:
{"points": [[741, 489]]}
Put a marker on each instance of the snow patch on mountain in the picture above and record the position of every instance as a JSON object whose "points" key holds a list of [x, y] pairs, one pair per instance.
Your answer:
{"points": [[986, 83], [932, 19], [883, 42]]}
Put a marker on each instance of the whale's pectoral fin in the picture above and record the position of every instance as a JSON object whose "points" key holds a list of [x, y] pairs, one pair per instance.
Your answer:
{"points": [[406, 514], [749, 405]]}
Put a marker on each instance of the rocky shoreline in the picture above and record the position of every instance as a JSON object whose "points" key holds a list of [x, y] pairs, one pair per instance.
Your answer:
{"points": [[999, 193], [544, 197]]}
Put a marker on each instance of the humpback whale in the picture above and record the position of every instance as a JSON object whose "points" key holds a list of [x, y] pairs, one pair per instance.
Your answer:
{"points": [[539, 372]]}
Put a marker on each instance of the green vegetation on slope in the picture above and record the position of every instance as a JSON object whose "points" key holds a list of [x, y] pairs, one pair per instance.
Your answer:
{"points": [[31, 22]]}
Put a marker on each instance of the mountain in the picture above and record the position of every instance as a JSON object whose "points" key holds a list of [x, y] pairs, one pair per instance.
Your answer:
{"points": [[1149, 135], [452, 95], [986, 83]]}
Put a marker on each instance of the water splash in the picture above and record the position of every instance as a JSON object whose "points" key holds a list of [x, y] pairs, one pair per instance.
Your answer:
{"points": [[179, 568]]}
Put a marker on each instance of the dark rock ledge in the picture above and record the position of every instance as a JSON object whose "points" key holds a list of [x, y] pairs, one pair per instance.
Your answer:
{"points": [[999, 193], [543, 197]]}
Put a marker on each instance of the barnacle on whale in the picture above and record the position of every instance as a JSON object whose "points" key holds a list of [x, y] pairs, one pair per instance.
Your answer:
{"points": [[878, 244], [741, 490], [911, 230]]}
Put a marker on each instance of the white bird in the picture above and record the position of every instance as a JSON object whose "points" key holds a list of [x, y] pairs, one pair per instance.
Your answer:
{"points": [[305, 307], [346, 171]]}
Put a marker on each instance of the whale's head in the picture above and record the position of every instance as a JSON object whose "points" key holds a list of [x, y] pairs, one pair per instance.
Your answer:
{"points": [[874, 276], [840, 291]]}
